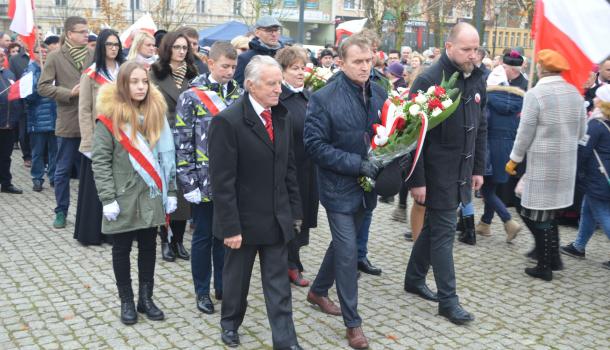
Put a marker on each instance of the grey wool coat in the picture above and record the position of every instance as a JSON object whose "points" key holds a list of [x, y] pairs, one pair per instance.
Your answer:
{"points": [[552, 122]]}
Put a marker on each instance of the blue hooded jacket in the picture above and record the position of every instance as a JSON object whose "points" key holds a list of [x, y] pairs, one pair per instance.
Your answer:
{"points": [[590, 176], [42, 111]]}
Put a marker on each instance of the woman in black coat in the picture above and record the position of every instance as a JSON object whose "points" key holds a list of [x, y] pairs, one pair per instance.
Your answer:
{"points": [[172, 73], [295, 97]]}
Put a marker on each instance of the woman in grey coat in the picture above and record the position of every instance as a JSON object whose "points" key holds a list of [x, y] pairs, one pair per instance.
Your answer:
{"points": [[552, 123]]}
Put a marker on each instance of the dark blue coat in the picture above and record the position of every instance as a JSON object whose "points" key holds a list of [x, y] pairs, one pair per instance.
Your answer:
{"points": [[337, 135], [598, 139], [9, 111], [503, 109], [256, 48], [42, 111]]}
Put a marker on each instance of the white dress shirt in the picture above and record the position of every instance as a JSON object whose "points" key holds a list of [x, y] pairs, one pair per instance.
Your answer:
{"points": [[224, 86], [258, 109]]}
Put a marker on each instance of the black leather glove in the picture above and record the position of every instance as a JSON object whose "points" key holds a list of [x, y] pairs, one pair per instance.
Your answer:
{"points": [[369, 169]]}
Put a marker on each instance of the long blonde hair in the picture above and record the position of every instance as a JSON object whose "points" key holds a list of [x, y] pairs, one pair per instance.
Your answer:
{"points": [[137, 42], [125, 111]]}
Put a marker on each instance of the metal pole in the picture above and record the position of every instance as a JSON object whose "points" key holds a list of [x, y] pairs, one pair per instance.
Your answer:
{"points": [[301, 25], [495, 37], [133, 11]]}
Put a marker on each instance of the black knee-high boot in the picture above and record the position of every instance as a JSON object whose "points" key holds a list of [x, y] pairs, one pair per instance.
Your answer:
{"points": [[178, 228], [530, 226], [543, 250], [556, 263]]}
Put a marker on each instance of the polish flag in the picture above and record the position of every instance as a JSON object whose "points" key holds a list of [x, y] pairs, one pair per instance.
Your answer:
{"points": [[22, 14], [144, 23], [348, 28], [22, 87], [577, 30]]}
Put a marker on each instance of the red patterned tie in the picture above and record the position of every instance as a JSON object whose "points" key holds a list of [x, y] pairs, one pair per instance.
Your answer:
{"points": [[266, 114]]}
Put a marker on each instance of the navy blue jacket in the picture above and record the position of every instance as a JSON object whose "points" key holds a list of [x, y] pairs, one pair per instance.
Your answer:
{"points": [[256, 48], [337, 135], [598, 138], [42, 111], [9, 111], [503, 109]]}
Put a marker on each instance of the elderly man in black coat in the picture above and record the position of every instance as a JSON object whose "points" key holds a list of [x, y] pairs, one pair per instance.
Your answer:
{"points": [[452, 164], [256, 200]]}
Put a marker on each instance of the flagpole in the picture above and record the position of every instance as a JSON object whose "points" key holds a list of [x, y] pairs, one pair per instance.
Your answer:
{"points": [[532, 67]]}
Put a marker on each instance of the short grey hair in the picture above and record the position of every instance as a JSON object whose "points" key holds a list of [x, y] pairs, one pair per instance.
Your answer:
{"points": [[253, 69]]}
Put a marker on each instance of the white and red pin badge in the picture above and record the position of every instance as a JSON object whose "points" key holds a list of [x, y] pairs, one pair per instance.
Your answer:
{"points": [[477, 98]]}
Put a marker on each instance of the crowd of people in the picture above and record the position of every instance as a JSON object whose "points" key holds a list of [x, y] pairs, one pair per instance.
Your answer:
{"points": [[228, 140]]}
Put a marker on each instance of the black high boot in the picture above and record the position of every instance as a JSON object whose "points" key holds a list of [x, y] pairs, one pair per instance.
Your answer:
{"points": [[128, 308], [167, 253], [532, 254], [146, 304], [556, 263], [543, 250], [468, 235], [178, 228]]}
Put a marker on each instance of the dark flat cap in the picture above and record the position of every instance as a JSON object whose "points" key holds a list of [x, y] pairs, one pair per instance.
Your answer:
{"points": [[513, 58], [267, 21]]}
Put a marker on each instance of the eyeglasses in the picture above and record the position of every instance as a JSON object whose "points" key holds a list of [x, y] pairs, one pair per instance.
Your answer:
{"points": [[83, 32], [271, 29], [180, 48], [111, 45]]}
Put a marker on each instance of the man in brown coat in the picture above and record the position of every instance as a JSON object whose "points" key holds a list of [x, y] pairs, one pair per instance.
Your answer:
{"points": [[60, 81]]}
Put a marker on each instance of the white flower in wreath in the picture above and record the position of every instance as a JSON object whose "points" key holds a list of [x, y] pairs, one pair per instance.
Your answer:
{"points": [[414, 110], [436, 111], [420, 98], [447, 103], [431, 90], [381, 137]]}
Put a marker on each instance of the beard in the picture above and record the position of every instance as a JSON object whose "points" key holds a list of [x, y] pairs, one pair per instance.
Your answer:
{"points": [[466, 67]]}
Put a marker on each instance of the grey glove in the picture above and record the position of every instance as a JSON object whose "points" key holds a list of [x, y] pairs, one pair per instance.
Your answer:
{"points": [[369, 169]]}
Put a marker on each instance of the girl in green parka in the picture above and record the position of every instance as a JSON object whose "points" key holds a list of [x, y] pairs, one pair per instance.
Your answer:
{"points": [[134, 169]]}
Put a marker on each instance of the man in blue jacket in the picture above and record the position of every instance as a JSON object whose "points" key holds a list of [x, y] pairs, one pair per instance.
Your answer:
{"points": [[337, 134]]}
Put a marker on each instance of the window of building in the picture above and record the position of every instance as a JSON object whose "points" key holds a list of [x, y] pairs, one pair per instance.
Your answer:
{"points": [[312, 4], [200, 6], [134, 4], [290, 3], [349, 4], [61, 2], [237, 7]]}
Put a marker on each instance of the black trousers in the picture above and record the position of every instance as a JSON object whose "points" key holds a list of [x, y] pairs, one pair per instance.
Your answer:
{"points": [[294, 250], [121, 248], [6, 150], [178, 227], [276, 288], [434, 247]]}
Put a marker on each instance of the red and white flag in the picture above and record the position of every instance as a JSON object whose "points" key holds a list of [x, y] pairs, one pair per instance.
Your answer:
{"points": [[348, 28], [144, 23], [22, 87], [22, 14], [577, 30]]}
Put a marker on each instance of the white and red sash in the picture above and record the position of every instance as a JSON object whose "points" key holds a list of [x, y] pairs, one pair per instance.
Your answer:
{"points": [[210, 100], [98, 78]]}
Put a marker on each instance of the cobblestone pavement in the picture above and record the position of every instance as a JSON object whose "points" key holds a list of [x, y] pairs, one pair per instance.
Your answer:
{"points": [[57, 294]]}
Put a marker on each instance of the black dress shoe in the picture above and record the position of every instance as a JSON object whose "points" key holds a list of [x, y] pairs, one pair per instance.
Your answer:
{"points": [[423, 291], [456, 314], [204, 304], [366, 267], [230, 338], [10, 188], [37, 186]]}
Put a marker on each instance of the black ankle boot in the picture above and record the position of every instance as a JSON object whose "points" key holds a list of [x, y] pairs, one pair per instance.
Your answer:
{"points": [[167, 253], [128, 308], [146, 304], [468, 236], [180, 251], [460, 224], [543, 249]]}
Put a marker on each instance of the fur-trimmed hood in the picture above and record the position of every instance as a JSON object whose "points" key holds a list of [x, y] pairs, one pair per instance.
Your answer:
{"points": [[107, 100], [504, 100]]}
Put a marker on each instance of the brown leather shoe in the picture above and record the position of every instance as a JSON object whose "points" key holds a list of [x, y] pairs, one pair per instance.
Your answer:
{"points": [[356, 338], [324, 303]]}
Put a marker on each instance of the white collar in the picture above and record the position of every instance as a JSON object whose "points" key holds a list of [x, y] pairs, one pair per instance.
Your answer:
{"points": [[258, 109], [551, 79], [292, 88]]}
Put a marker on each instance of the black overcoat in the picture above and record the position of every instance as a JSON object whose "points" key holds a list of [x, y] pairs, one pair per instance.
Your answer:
{"points": [[254, 184], [455, 149], [296, 103]]}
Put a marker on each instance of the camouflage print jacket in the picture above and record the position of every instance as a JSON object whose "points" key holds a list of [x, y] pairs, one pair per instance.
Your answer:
{"points": [[193, 117]]}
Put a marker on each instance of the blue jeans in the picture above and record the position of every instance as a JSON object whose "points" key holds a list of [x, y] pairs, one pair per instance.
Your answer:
{"points": [[493, 204], [363, 235], [594, 211], [205, 248], [467, 209], [340, 263], [67, 157], [42, 141]]}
